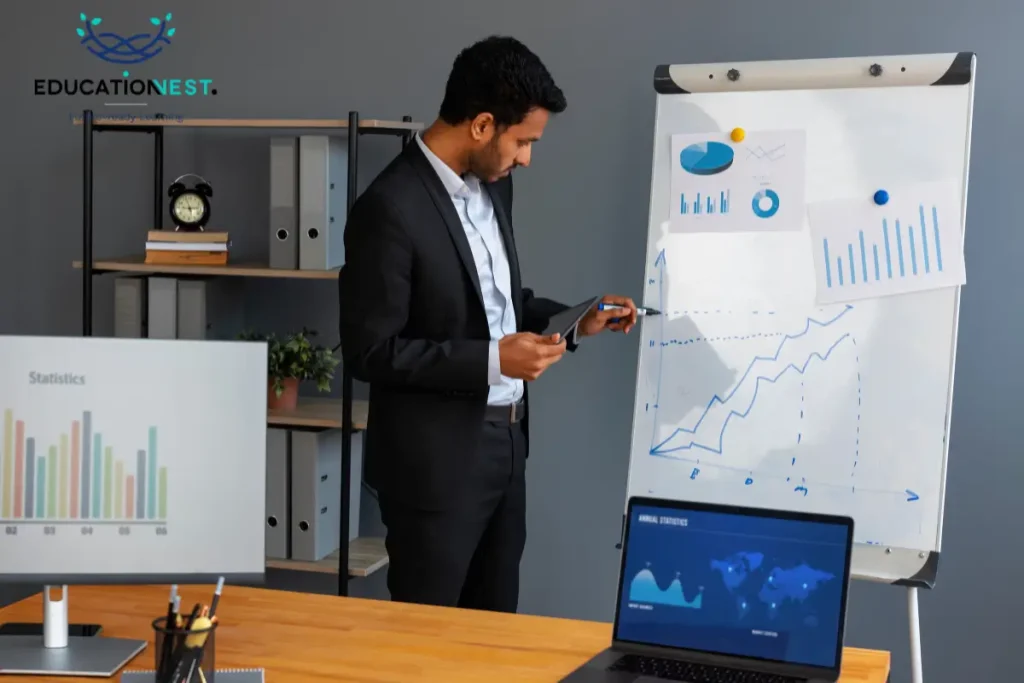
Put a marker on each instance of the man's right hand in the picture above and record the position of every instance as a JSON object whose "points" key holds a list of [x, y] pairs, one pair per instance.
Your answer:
{"points": [[526, 355]]}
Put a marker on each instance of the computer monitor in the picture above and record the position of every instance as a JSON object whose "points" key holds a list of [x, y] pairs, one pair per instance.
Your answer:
{"points": [[125, 461]]}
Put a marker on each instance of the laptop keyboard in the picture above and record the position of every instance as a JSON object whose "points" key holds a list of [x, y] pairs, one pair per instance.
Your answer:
{"points": [[674, 670]]}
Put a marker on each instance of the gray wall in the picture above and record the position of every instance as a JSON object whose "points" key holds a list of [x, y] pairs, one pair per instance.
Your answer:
{"points": [[587, 194]]}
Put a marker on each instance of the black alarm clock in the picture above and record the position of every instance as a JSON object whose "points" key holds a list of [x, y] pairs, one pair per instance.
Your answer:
{"points": [[190, 206]]}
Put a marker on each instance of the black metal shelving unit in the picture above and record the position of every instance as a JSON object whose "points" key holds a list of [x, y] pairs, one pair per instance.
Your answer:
{"points": [[355, 127]]}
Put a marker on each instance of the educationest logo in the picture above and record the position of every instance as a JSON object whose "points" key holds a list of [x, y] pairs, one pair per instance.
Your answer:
{"points": [[123, 51]]}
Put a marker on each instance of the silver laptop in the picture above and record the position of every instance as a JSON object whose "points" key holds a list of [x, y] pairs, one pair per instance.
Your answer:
{"points": [[724, 594]]}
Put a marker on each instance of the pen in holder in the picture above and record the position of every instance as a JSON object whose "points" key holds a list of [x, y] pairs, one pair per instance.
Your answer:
{"points": [[185, 652]]}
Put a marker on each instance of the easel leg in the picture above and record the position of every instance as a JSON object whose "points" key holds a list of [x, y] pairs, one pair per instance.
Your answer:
{"points": [[916, 668]]}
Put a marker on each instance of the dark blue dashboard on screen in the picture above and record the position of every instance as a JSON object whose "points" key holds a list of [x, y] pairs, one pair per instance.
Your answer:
{"points": [[734, 584]]}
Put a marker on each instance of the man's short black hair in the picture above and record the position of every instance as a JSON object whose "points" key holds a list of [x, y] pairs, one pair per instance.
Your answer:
{"points": [[500, 76]]}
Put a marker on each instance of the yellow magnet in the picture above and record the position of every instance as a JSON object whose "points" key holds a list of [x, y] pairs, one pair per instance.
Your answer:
{"points": [[738, 134]]}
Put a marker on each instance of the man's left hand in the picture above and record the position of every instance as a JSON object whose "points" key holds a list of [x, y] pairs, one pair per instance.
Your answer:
{"points": [[619, 315]]}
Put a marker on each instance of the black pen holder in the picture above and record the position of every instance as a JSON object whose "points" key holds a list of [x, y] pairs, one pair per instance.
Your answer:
{"points": [[184, 656]]}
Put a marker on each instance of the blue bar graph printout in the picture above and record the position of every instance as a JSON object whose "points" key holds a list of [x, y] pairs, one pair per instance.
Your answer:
{"points": [[921, 247], [703, 204]]}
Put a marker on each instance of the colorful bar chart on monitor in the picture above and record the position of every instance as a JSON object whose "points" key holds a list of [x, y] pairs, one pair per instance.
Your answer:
{"points": [[910, 244], [78, 476]]}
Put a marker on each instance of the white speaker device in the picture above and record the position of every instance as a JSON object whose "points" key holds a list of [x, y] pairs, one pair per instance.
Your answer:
{"points": [[323, 187]]}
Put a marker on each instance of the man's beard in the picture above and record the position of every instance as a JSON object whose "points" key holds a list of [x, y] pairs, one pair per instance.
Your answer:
{"points": [[484, 164]]}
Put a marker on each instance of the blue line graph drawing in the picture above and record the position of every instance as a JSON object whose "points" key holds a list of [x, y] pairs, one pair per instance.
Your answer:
{"points": [[694, 436], [665, 445], [762, 154]]}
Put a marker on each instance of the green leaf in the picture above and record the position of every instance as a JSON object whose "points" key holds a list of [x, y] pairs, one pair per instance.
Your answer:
{"points": [[154, 21], [96, 21], [82, 16], [168, 17], [170, 32], [80, 32]]}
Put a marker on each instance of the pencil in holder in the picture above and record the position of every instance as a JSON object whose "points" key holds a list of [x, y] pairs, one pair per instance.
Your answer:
{"points": [[185, 655]]}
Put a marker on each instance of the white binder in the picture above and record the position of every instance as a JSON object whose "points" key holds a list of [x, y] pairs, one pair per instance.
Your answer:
{"points": [[323, 191], [316, 489]]}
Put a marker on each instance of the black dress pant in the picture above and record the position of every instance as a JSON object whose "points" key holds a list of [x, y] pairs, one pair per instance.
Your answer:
{"points": [[468, 554]]}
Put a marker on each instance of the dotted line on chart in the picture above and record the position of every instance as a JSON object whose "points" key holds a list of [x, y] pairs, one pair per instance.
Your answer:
{"points": [[721, 311], [800, 428], [799, 437], [856, 451], [736, 337]]}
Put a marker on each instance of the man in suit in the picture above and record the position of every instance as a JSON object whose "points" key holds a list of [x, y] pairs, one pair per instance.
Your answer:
{"points": [[435, 318]]}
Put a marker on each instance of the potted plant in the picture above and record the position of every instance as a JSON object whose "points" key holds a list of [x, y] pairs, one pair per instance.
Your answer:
{"points": [[292, 360]]}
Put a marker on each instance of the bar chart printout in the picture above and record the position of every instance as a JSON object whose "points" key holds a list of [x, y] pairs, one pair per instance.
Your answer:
{"points": [[707, 203], [78, 477], [912, 244]]}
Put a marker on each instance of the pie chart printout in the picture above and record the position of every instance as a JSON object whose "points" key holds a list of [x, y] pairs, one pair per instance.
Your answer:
{"points": [[706, 158]]}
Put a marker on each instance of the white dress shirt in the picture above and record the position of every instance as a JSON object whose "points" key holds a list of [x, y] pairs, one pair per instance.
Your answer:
{"points": [[475, 210]]}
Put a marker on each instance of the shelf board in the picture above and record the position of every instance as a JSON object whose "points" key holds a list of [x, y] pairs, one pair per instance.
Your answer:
{"points": [[366, 125], [137, 264], [319, 412], [365, 556]]}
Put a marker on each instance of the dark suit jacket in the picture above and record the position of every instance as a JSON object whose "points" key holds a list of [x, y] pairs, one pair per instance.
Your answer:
{"points": [[413, 326]]}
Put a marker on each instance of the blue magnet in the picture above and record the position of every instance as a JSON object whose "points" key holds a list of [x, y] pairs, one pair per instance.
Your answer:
{"points": [[881, 197]]}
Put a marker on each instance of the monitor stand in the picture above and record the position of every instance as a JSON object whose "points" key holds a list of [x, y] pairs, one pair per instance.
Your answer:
{"points": [[54, 648]]}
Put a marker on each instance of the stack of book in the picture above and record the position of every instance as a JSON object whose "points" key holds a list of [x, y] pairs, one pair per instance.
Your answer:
{"points": [[177, 248]]}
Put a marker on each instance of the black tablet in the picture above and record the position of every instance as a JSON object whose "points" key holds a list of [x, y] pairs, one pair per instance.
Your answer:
{"points": [[562, 323]]}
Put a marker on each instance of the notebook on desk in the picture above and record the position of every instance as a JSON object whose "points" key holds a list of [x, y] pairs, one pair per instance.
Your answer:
{"points": [[222, 676]]}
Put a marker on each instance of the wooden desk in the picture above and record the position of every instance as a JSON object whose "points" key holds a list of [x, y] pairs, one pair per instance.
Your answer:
{"points": [[301, 638]]}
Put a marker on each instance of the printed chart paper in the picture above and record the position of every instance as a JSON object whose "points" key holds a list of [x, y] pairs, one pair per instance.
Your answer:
{"points": [[752, 186], [89, 472], [912, 243]]}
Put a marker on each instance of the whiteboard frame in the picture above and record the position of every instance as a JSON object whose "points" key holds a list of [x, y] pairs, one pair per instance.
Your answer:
{"points": [[893, 565]]}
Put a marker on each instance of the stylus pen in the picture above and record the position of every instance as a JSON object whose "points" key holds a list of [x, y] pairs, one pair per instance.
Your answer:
{"points": [[170, 626], [216, 597], [640, 310]]}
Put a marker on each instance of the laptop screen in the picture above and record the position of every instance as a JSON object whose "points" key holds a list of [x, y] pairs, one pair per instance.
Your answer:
{"points": [[736, 584]]}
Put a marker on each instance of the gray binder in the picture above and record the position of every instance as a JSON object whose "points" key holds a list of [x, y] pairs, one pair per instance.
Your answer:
{"points": [[323, 187], [278, 529], [209, 308], [130, 306], [284, 203], [162, 307], [316, 487]]}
